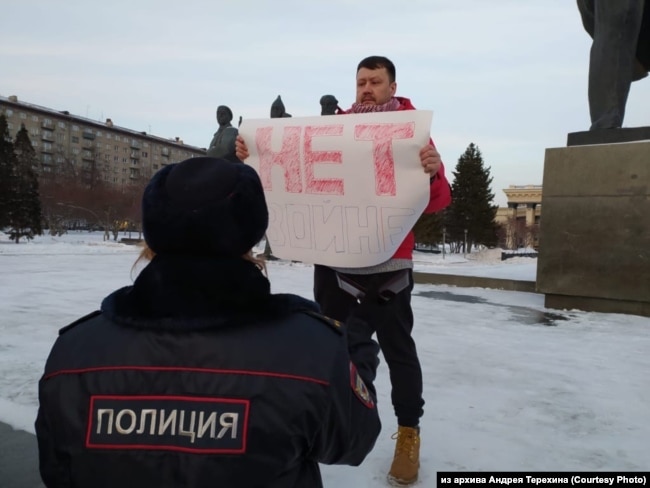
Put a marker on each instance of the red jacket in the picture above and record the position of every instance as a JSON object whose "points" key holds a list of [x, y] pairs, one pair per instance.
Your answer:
{"points": [[439, 196]]}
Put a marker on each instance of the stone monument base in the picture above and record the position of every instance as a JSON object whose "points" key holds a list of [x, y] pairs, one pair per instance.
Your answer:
{"points": [[594, 251], [593, 304]]}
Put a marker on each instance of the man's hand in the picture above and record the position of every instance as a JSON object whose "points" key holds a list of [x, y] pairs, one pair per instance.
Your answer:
{"points": [[430, 159], [241, 149]]}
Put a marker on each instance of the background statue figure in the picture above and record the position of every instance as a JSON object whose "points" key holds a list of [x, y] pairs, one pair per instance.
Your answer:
{"points": [[277, 112], [619, 55], [277, 109], [329, 105], [223, 142]]}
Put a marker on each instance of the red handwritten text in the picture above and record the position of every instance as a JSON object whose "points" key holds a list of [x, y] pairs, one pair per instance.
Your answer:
{"points": [[288, 157], [381, 136], [330, 186], [294, 162]]}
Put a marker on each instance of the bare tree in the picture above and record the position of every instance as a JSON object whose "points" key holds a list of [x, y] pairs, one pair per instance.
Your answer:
{"points": [[532, 236]]}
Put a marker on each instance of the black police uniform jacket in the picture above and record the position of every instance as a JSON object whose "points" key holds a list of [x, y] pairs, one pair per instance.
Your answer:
{"points": [[198, 376]]}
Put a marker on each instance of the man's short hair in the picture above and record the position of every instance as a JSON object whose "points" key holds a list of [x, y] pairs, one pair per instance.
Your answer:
{"points": [[378, 62]]}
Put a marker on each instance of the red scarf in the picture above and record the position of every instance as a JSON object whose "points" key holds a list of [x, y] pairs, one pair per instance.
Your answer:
{"points": [[390, 106]]}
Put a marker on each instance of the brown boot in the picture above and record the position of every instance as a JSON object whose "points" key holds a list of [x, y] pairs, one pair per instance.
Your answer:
{"points": [[406, 462]]}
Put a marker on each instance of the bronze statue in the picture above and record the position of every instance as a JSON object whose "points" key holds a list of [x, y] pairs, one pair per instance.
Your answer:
{"points": [[277, 109], [329, 105], [277, 112], [223, 142], [619, 55]]}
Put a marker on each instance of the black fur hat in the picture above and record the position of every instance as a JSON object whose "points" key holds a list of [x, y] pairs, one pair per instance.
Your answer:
{"points": [[204, 206]]}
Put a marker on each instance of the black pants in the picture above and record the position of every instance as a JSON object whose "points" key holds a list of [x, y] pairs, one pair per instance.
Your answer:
{"points": [[393, 327]]}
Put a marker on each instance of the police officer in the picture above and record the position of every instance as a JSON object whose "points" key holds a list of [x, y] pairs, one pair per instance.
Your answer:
{"points": [[197, 375]]}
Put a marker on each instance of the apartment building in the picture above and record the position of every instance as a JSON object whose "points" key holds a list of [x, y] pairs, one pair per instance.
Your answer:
{"points": [[90, 150]]}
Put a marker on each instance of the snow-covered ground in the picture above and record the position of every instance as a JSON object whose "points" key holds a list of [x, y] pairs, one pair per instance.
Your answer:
{"points": [[485, 263], [509, 385]]}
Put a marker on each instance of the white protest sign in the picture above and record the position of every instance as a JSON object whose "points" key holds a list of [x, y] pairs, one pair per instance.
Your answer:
{"points": [[342, 190]]}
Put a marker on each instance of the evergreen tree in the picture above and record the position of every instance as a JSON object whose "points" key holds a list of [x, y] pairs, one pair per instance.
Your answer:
{"points": [[7, 165], [428, 229], [25, 217], [471, 207]]}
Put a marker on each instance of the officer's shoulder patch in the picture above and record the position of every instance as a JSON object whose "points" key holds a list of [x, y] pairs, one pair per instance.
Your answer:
{"points": [[79, 321], [334, 324], [359, 387]]}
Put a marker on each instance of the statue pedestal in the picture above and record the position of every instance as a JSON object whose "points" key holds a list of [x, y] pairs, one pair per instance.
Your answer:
{"points": [[594, 251], [608, 136]]}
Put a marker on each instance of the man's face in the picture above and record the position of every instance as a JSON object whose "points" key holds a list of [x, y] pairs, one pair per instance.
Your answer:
{"points": [[374, 87]]}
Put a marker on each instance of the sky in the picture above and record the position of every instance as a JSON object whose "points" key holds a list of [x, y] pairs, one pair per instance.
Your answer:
{"points": [[508, 384], [507, 75]]}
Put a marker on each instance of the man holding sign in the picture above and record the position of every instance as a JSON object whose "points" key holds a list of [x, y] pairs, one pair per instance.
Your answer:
{"points": [[309, 220], [386, 309]]}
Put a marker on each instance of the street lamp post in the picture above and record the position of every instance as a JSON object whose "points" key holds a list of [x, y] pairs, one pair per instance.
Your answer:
{"points": [[465, 245], [444, 235]]}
